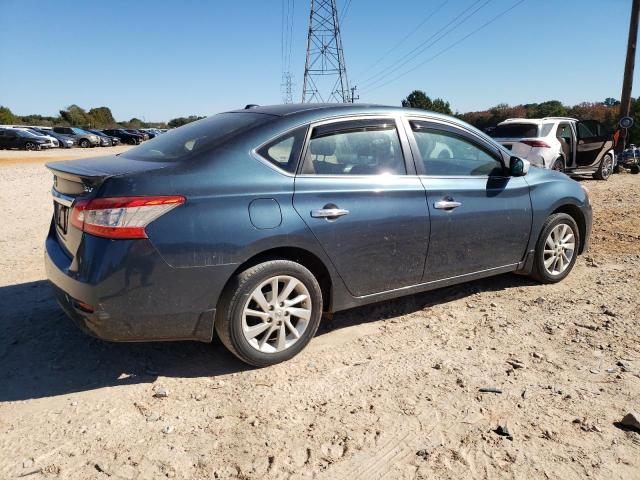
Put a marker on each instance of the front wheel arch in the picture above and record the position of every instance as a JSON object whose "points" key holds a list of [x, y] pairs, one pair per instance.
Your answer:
{"points": [[575, 213]]}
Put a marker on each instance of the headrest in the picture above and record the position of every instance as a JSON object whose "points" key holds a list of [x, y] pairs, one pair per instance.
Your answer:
{"points": [[323, 146]]}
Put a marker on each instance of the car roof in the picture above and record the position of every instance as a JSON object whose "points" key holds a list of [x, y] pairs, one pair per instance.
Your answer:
{"points": [[329, 109], [535, 121]]}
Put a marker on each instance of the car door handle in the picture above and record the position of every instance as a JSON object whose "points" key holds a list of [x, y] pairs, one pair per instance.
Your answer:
{"points": [[329, 212], [446, 204]]}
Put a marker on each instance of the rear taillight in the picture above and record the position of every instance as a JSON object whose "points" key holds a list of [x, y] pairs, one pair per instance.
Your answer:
{"points": [[121, 217], [535, 143]]}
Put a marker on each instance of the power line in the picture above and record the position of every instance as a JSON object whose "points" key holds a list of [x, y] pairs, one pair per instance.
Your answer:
{"points": [[420, 49], [444, 50], [386, 54], [345, 10]]}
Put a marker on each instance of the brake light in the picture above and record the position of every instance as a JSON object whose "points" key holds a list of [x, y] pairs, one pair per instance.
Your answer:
{"points": [[535, 143], [121, 217]]}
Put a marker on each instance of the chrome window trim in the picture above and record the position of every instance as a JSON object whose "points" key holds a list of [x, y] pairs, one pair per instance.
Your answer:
{"points": [[482, 141]]}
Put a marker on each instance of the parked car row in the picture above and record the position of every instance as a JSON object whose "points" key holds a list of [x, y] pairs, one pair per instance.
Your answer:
{"points": [[41, 138]]}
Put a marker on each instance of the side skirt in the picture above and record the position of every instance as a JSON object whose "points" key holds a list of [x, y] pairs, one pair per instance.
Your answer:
{"points": [[345, 303]]}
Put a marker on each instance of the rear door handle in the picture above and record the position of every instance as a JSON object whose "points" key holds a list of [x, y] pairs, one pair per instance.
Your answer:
{"points": [[329, 212], [446, 204]]}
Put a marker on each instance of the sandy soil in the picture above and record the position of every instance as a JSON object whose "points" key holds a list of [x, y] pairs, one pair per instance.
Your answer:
{"points": [[386, 391]]}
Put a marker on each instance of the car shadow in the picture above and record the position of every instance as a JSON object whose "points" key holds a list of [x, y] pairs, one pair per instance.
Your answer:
{"points": [[43, 354]]}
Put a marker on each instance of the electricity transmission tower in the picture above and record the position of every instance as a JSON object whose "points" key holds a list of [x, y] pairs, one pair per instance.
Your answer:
{"points": [[325, 66], [287, 87]]}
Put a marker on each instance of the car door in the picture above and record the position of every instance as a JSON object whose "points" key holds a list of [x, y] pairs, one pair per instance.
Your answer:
{"points": [[480, 216], [593, 143], [364, 203]]}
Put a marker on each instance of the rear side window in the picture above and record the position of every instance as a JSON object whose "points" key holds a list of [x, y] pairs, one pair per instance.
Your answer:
{"points": [[515, 130], [197, 137], [360, 147], [284, 151]]}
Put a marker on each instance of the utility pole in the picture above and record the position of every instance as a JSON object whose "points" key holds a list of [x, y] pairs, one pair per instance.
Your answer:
{"points": [[354, 97], [625, 98], [325, 69]]}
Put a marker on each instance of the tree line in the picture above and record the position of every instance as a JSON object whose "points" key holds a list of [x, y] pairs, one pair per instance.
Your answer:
{"points": [[606, 112], [99, 117]]}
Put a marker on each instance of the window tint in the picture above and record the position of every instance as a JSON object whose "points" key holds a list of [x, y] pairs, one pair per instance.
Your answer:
{"points": [[355, 148], [588, 129], [184, 142], [515, 130], [284, 151], [447, 154]]}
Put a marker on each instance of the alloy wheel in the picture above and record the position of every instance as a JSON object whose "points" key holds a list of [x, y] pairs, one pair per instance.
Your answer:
{"points": [[559, 249], [30, 146], [276, 314], [607, 166]]}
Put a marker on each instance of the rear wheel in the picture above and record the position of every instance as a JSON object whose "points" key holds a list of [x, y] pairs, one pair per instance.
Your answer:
{"points": [[558, 165], [557, 248], [605, 169], [269, 312]]}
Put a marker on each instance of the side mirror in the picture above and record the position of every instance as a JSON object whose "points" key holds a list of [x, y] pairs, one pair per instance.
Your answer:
{"points": [[518, 167]]}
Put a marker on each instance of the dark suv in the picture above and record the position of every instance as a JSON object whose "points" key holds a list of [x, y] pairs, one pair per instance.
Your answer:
{"points": [[125, 136], [83, 138]]}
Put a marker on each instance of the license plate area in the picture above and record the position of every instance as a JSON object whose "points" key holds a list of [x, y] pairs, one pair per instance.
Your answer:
{"points": [[61, 216]]}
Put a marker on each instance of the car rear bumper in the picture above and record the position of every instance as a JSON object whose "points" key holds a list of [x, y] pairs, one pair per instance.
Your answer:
{"points": [[125, 291]]}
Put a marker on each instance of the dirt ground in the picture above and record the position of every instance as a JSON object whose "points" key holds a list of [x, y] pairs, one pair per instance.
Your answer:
{"points": [[387, 391]]}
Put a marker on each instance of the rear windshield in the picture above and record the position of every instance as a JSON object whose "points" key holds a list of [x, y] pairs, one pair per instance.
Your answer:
{"points": [[515, 130], [196, 137]]}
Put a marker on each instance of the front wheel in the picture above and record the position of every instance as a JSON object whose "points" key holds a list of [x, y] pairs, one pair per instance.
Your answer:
{"points": [[84, 143], [605, 169], [557, 248], [29, 146], [269, 312]]}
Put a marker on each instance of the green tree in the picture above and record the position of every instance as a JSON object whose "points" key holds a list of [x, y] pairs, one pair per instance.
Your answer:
{"points": [[419, 99], [611, 102], [6, 116], [75, 116], [552, 108], [101, 117], [178, 122]]}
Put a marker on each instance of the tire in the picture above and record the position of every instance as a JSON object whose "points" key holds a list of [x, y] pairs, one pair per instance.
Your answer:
{"points": [[84, 143], [558, 165], [555, 272], [266, 348], [605, 169], [635, 169], [29, 146]]}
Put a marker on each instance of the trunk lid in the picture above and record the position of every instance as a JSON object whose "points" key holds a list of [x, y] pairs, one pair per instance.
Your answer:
{"points": [[80, 179]]}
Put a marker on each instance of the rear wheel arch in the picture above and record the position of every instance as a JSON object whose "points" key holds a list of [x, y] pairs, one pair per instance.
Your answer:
{"points": [[295, 254], [575, 213]]}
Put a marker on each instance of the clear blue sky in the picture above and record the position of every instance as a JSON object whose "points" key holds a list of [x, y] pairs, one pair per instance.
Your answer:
{"points": [[163, 58]]}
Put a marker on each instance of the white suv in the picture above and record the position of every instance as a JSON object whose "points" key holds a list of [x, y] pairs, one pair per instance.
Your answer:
{"points": [[559, 143]]}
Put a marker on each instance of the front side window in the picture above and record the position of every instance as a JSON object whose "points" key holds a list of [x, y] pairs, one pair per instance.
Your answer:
{"points": [[447, 154], [284, 151], [370, 147]]}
